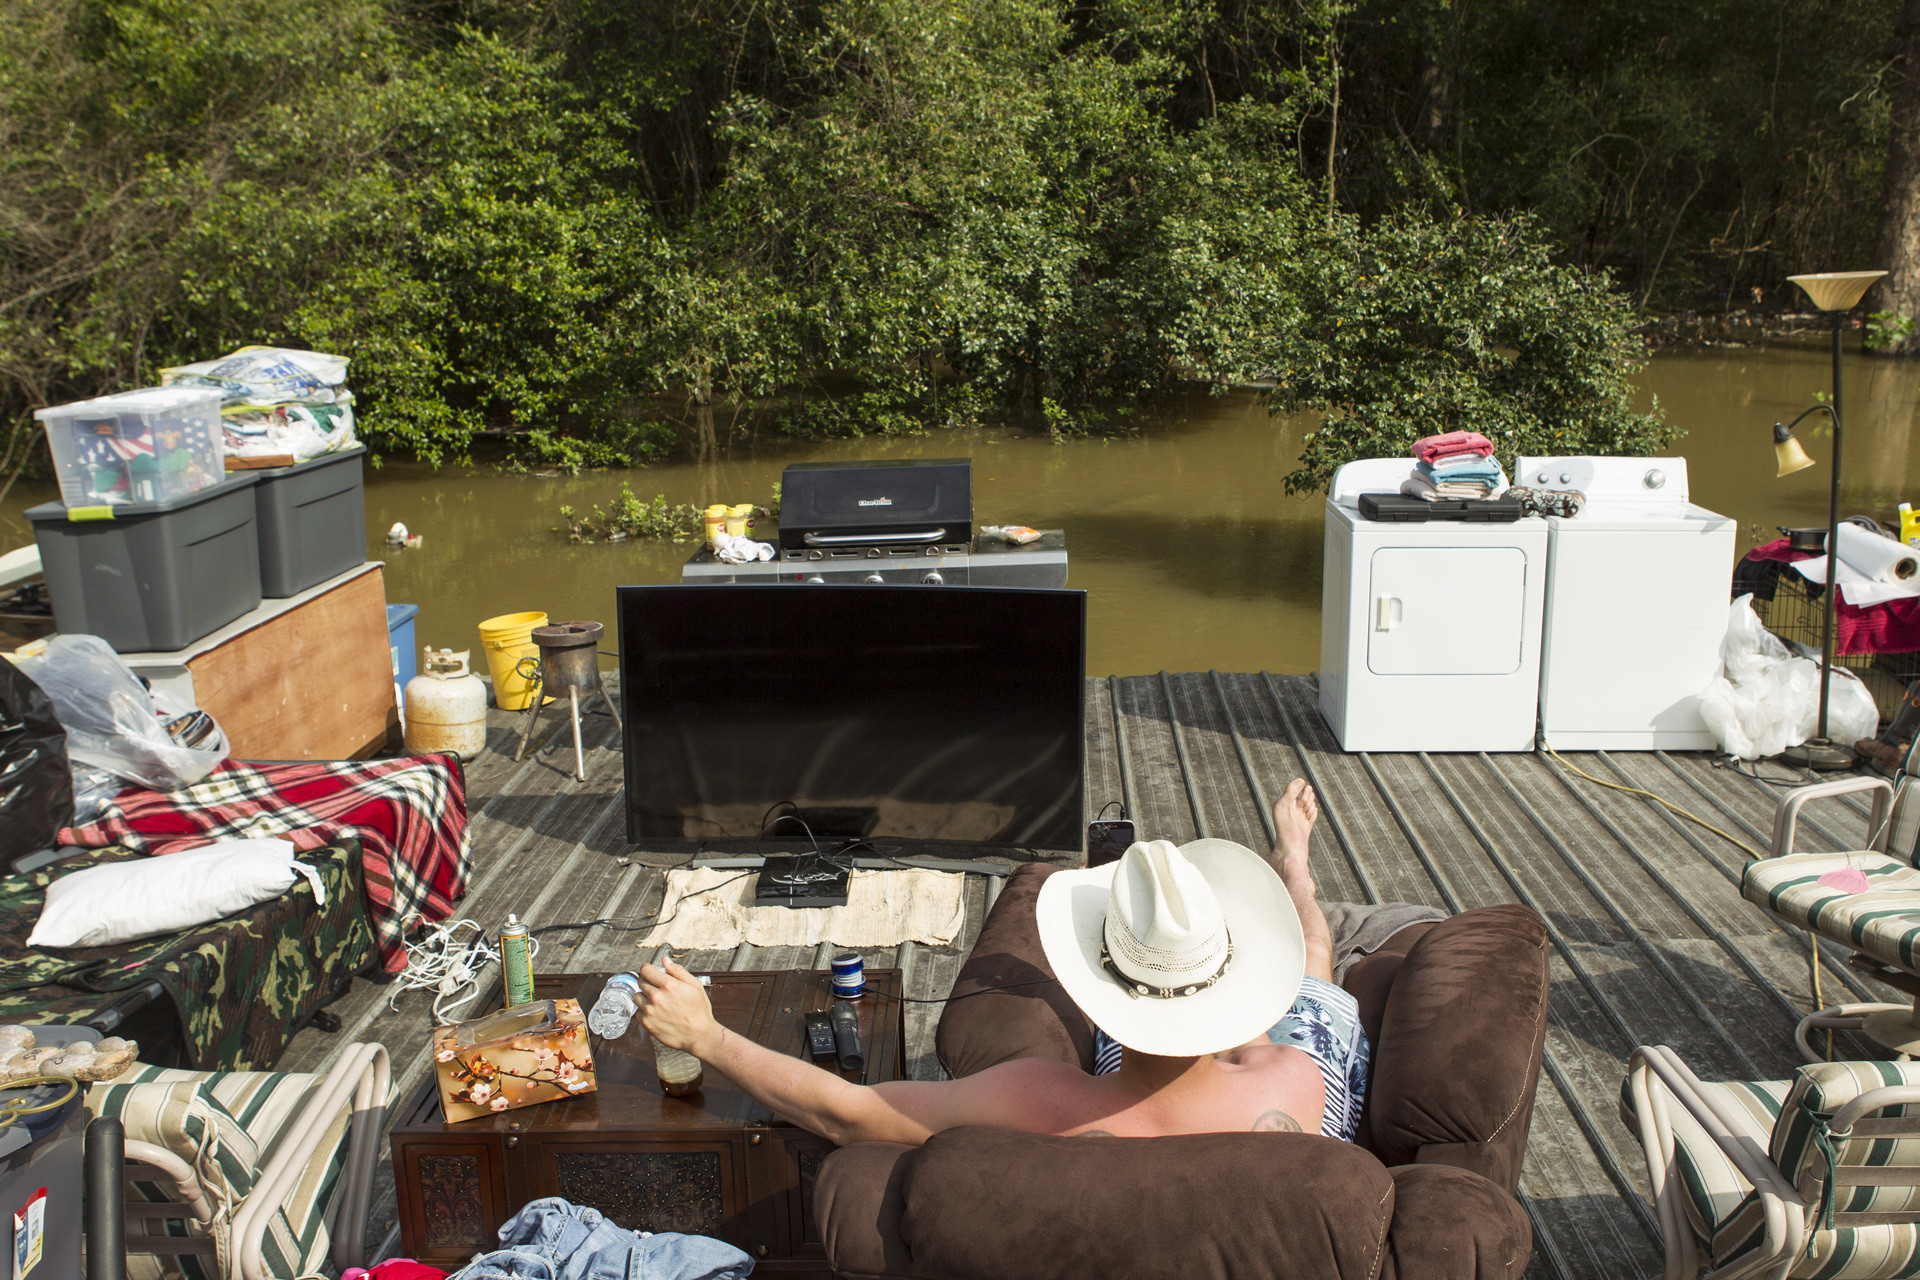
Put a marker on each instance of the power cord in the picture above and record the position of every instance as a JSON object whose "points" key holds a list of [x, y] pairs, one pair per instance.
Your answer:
{"points": [[444, 964], [1690, 816]]}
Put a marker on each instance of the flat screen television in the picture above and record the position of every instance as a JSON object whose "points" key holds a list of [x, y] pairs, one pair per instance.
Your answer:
{"points": [[903, 715]]}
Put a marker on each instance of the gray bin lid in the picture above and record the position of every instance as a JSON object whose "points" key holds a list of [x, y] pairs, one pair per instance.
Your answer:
{"points": [[52, 512]]}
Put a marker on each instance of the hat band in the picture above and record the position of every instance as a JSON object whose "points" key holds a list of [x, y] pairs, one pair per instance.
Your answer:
{"points": [[1136, 989]]}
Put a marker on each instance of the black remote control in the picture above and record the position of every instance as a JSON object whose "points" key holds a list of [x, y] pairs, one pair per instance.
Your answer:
{"points": [[846, 1037], [820, 1046]]}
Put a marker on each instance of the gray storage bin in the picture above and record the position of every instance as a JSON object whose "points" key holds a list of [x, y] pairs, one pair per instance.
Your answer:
{"points": [[158, 575], [312, 518]]}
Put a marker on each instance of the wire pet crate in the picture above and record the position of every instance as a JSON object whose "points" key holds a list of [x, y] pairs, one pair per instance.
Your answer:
{"points": [[1792, 612]]}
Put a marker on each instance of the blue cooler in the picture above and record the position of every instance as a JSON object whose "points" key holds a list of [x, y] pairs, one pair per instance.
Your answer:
{"points": [[400, 641]]}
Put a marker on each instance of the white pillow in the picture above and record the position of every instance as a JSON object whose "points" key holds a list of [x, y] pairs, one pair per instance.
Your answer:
{"points": [[143, 897]]}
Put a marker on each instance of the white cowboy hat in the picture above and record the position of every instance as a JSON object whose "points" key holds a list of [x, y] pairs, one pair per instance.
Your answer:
{"points": [[1175, 951]]}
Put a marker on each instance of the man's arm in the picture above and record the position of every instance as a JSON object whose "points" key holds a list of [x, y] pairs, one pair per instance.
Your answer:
{"points": [[1014, 1095]]}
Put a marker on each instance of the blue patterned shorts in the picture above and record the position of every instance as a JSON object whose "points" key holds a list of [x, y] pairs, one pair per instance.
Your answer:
{"points": [[1324, 1023]]}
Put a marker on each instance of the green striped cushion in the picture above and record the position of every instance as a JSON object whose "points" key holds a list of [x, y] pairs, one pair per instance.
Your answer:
{"points": [[262, 1104], [1884, 921], [1823, 1088], [177, 1111], [1717, 1196]]}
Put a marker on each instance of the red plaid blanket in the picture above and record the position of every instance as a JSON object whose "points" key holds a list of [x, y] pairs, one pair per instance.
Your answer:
{"points": [[410, 816]]}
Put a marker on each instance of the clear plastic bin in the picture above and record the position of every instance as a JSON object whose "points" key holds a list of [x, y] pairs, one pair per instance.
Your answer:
{"points": [[142, 446]]}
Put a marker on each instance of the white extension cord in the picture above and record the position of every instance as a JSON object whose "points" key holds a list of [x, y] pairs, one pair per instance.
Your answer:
{"points": [[448, 966]]}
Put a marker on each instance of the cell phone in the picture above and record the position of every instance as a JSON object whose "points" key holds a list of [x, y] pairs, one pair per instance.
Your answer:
{"points": [[820, 1045], [1107, 839]]}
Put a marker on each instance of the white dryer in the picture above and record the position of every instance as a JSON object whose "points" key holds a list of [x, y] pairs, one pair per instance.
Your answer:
{"points": [[1429, 631], [1636, 608]]}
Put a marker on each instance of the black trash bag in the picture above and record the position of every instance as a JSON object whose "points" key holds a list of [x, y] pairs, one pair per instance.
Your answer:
{"points": [[36, 787]]}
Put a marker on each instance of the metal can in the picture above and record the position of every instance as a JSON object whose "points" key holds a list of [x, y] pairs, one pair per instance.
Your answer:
{"points": [[516, 961], [849, 976], [714, 521]]}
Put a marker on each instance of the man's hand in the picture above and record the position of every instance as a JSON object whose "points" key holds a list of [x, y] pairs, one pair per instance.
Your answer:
{"points": [[675, 1011]]}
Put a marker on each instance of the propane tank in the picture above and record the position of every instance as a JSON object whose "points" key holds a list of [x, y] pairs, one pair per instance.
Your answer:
{"points": [[446, 706]]}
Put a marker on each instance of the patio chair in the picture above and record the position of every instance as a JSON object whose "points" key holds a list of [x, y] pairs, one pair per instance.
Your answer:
{"points": [[242, 1175], [1817, 1175], [1881, 925]]}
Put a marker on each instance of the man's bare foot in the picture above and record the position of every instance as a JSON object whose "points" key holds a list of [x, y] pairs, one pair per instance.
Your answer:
{"points": [[1293, 818]]}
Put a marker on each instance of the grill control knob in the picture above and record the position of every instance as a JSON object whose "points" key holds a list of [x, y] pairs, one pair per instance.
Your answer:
{"points": [[1543, 477], [816, 578], [1655, 478], [933, 578], [1565, 478], [874, 577]]}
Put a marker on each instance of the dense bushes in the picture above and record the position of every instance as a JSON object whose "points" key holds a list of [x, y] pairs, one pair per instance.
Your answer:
{"points": [[551, 221]]}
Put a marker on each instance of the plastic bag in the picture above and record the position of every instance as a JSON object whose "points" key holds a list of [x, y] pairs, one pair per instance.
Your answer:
{"points": [[266, 375], [36, 794], [1766, 699], [111, 719]]}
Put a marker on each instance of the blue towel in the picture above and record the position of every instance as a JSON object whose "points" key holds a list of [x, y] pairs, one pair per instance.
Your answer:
{"points": [[1486, 470]]}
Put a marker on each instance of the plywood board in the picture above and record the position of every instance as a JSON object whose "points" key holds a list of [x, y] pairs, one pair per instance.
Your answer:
{"points": [[314, 683]]}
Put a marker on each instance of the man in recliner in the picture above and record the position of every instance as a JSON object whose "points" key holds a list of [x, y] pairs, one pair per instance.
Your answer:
{"points": [[1210, 968]]}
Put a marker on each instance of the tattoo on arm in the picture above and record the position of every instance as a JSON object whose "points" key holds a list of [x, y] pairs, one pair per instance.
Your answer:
{"points": [[1276, 1122], [1093, 1133]]}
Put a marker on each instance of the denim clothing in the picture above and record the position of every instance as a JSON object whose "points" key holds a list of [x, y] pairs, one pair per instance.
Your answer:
{"points": [[554, 1240]]}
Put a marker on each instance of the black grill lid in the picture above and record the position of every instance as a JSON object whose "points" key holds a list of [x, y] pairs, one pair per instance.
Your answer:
{"points": [[826, 504]]}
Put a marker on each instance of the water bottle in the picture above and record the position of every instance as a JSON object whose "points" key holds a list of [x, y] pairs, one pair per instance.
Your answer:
{"points": [[613, 1011]]}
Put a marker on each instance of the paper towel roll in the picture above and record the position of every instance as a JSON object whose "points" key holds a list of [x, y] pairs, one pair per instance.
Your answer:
{"points": [[1881, 559]]}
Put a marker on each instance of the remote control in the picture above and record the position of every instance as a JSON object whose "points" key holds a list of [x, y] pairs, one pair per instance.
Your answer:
{"points": [[846, 1037], [820, 1046]]}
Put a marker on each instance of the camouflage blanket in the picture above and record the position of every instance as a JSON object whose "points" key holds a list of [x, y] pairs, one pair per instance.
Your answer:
{"points": [[240, 984]]}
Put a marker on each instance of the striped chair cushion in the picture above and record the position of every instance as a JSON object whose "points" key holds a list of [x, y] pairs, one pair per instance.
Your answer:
{"points": [[1821, 1089], [1884, 922], [262, 1105], [178, 1112], [1720, 1202]]}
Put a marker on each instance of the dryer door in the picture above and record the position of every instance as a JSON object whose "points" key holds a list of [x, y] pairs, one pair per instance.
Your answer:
{"points": [[1446, 611]]}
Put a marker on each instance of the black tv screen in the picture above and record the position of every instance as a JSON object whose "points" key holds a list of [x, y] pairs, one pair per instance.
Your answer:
{"points": [[899, 714]]}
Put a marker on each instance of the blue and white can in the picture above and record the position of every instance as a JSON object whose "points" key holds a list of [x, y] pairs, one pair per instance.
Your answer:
{"points": [[849, 976]]}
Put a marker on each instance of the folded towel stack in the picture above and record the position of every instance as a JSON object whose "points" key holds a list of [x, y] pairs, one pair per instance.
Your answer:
{"points": [[1458, 464]]}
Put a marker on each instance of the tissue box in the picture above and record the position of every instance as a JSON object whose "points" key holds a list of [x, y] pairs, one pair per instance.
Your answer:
{"points": [[535, 1052]]}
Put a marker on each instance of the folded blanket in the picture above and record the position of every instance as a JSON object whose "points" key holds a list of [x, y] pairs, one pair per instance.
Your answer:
{"points": [[1486, 471], [1441, 461], [1450, 442], [409, 815], [1421, 487]]}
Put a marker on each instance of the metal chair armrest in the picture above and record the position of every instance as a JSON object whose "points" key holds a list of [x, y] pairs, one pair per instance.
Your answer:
{"points": [[183, 1182], [1786, 815], [1872, 1100], [362, 1071]]}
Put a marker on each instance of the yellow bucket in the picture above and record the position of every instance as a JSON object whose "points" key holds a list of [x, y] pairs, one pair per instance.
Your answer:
{"points": [[507, 639]]}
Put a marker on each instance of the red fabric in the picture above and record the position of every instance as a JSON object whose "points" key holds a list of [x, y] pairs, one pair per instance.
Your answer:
{"points": [[1892, 626], [406, 1269], [409, 814], [1452, 442]]}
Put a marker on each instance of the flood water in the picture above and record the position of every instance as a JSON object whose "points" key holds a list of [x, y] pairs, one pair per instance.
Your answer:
{"points": [[1191, 552]]}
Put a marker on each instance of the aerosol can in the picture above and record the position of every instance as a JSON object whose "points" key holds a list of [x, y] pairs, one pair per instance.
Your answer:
{"points": [[446, 706]]}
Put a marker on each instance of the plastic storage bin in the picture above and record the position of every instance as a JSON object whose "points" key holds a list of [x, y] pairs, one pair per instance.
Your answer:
{"points": [[153, 576], [312, 518], [140, 446], [400, 641]]}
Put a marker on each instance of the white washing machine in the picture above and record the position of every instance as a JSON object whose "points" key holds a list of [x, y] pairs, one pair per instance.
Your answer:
{"points": [[1637, 588], [1429, 631]]}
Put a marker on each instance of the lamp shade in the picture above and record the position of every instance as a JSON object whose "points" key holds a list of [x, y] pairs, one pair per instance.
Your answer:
{"points": [[1837, 290], [1792, 457]]}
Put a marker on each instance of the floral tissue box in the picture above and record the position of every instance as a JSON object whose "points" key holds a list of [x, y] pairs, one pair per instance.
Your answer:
{"points": [[530, 1053]]}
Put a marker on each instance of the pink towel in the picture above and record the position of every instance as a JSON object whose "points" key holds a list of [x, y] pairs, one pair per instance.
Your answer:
{"points": [[1440, 460], [1452, 442]]}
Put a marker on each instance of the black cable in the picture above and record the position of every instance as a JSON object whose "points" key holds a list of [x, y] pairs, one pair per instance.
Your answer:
{"points": [[1108, 805], [613, 922]]}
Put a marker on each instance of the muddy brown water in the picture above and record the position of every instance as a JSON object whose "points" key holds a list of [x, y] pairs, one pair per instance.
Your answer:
{"points": [[1191, 552]]}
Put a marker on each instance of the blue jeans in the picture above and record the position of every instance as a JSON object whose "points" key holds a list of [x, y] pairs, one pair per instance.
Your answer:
{"points": [[554, 1240]]}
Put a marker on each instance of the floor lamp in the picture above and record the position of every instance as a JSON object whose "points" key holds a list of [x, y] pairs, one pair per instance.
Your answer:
{"points": [[1835, 292]]}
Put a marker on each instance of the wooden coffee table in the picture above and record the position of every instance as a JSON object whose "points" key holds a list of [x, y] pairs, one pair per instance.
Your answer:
{"points": [[716, 1164]]}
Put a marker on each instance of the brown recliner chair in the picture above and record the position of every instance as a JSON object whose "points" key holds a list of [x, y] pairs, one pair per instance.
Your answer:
{"points": [[1457, 1015]]}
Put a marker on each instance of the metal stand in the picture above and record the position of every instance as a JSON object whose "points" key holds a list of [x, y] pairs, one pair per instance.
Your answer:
{"points": [[569, 659]]}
